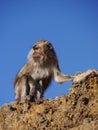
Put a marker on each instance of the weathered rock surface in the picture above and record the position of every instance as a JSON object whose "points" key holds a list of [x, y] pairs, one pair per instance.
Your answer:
{"points": [[77, 110]]}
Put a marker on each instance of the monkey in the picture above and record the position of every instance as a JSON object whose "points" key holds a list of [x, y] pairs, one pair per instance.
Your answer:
{"points": [[35, 76]]}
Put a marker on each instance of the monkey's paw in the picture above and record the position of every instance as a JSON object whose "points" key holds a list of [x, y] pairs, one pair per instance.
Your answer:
{"points": [[80, 77], [38, 101], [28, 98]]}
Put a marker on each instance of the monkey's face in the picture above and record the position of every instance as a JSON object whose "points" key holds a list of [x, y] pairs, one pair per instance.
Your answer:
{"points": [[40, 51], [37, 52]]}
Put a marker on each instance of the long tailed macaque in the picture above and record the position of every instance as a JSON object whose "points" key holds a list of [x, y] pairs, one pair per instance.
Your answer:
{"points": [[36, 75]]}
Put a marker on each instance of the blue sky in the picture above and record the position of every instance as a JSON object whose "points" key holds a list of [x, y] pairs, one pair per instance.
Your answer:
{"points": [[70, 25]]}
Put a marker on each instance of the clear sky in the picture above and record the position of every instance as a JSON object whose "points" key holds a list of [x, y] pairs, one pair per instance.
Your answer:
{"points": [[70, 25]]}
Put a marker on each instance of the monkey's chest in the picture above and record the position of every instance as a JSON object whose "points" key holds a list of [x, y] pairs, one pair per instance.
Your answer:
{"points": [[38, 74]]}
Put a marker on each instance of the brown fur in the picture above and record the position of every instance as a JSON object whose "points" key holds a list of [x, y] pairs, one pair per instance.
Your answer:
{"points": [[38, 72]]}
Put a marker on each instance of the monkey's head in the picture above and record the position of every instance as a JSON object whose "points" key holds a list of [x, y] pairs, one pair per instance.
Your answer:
{"points": [[42, 52]]}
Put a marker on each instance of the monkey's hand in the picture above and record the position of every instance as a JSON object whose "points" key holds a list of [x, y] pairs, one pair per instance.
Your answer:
{"points": [[80, 77]]}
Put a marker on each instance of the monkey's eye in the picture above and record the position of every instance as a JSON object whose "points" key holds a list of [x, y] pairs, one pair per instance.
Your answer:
{"points": [[35, 47]]}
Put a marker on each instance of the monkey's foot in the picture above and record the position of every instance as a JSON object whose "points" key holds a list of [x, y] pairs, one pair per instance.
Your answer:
{"points": [[23, 99], [28, 97], [20, 101], [17, 101], [38, 101]]}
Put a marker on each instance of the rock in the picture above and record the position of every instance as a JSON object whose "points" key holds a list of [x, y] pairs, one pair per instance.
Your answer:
{"points": [[77, 110]]}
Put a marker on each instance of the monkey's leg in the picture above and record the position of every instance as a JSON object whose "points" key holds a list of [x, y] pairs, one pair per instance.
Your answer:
{"points": [[32, 86], [17, 94], [38, 96], [23, 89]]}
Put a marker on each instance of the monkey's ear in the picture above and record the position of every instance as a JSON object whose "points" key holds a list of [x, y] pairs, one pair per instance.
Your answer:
{"points": [[49, 46]]}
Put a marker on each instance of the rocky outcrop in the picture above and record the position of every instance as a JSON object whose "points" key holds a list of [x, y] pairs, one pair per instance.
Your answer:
{"points": [[77, 110]]}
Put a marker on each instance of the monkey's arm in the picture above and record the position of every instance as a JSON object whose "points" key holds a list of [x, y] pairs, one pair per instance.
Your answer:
{"points": [[60, 78], [23, 71]]}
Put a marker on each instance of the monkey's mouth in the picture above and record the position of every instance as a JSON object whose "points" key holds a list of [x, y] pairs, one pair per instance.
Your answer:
{"points": [[36, 56]]}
